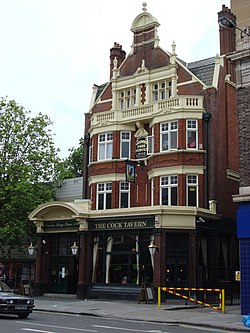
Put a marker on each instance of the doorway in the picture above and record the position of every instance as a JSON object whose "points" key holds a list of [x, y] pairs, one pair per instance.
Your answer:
{"points": [[177, 260], [63, 266], [63, 275]]}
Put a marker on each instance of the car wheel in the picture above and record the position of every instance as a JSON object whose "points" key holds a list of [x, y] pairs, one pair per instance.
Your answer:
{"points": [[23, 315]]}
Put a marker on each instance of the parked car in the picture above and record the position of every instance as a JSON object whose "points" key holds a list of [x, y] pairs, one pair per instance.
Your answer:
{"points": [[14, 304]]}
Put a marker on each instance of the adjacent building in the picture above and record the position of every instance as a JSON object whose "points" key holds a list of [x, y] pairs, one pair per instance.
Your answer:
{"points": [[161, 165], [241, 59]]}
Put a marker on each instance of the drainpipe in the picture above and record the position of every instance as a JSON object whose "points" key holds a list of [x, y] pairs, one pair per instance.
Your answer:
{"points": [[206, 117], [86, 151]]}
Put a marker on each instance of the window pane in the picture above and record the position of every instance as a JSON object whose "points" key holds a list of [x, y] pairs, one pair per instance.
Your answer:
{"points": [[164, 127], [125, 149], [173, 140], [109, 150], [150, 144], [192, 191], [101, 137], [108, 200], [174, 196], [108, 186], [164, 196], [124, 186], [124, 200], [164, 142], [101, 151], [100, 201], [174, 125], [191, 138], [164, 180]]}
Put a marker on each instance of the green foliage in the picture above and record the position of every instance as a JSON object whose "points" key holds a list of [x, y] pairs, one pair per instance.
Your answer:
{"points": [[72, 166], [27, 160]]}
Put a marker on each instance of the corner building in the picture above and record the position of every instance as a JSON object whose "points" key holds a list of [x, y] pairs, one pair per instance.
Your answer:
{"points": [[161, 165]]}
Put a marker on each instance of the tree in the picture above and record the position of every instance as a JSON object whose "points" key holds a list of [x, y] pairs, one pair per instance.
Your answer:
{"points": [[72, 166], [27, 159]]}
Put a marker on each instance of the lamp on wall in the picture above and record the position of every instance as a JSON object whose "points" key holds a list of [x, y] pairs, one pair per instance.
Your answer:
{"points": [[74, 249], [31, 249], [225, 22], [152, 249]]}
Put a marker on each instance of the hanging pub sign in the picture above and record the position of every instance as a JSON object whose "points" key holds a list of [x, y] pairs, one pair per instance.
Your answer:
{"points": [[141, 147], [130, 172]]}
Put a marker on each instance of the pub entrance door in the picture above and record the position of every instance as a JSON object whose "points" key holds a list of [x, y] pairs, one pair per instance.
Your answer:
{"points": [[63, 266], [177, 260], [63, 275]]}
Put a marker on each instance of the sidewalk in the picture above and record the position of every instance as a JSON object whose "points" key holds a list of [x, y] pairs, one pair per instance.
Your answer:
{"points": [[168, 313]]}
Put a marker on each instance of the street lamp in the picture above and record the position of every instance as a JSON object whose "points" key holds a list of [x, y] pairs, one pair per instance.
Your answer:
{"points": [[74, 249], [31, 249], [152, 249], [225, 22]]}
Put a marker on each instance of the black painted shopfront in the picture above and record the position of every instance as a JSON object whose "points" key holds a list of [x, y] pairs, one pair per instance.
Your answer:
{"points": [[113, 258]]}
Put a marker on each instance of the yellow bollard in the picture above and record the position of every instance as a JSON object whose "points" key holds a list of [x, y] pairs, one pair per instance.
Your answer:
{"points": [[159, 298], [223, 300]]}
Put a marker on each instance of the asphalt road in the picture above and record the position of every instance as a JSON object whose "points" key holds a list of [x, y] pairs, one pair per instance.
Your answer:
{"points": [[41, 322]]}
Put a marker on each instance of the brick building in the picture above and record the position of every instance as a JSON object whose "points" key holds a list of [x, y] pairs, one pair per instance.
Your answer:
{"points": [[161, 165]]}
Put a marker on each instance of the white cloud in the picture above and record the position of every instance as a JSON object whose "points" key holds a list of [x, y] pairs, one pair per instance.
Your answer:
{"points": [[53, 51]]}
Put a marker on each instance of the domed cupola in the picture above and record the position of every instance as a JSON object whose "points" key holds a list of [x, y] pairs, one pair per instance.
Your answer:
{"points": [[144, 28]]}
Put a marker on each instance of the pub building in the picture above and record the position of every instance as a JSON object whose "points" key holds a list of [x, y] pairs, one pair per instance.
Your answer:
{"points": [[160, 168]]}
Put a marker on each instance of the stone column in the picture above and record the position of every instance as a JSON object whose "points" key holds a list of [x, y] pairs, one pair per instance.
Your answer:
{"points": [[38, 289], [84, 265]]}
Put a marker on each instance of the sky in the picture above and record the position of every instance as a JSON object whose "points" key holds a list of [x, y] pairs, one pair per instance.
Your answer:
{"points": [[54, 51]]}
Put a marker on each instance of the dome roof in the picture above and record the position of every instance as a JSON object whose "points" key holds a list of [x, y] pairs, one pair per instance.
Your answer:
{"points": [[144, 20]]}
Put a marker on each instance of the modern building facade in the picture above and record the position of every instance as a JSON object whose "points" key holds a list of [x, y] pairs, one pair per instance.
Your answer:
{"points": [[161, 165]]}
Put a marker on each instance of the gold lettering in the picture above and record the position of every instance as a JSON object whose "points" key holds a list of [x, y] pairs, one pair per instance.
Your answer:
{"points": [[100, 226]]}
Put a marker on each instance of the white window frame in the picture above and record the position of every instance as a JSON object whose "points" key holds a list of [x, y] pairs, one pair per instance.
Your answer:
{"points": [[192, 181], [192, 128], [161, 90], [150, 143], [127, 98], [105, 146], [103, 189], [169, 130], [124, 188], [125, 138], [90, 154], [152, 192], [169, 182]]}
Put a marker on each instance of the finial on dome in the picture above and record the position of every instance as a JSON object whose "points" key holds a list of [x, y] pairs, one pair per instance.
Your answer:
{"points": [[144, 5]]}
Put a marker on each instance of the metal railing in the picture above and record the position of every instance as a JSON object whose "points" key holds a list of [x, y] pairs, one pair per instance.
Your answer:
{"points": [[193, 294]]}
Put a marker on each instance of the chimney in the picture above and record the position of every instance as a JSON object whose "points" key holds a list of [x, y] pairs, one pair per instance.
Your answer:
{"points": [[228, 33], [118, 53]]}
